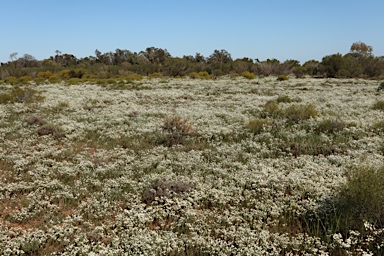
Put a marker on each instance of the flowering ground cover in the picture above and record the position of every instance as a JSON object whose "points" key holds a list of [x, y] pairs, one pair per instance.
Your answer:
{"points": [[192, 167]]}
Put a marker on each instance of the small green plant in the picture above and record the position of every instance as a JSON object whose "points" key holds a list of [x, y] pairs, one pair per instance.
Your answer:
{"points": [[248, 75], [282, 78], [378, 105], [257, 125]]}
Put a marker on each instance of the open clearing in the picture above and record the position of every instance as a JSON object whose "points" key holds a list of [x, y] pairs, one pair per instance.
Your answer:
{"points": [[182, 166]]}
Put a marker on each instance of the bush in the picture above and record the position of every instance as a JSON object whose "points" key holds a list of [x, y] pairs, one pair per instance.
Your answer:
{"points": [[49, 129], [44, 75], [248, 75], [296, 113], [175, 130], [257, 126], [155, 75], [330, 126], [164, 188], [36, 120], [194, 75], [204, 75], [19, 95], [282, 78], [283, 99], [271, 109], [359, 200], [11, 80], [24, 79], [378, 126], [378, 105]]}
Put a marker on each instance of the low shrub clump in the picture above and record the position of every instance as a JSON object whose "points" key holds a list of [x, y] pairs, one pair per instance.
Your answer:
{"points": [[200, 75], [282, 78], [257, 125], [155, 75], [248, 75], [330, 126], [20, 95], [271, 109], [296, 113], [162, 188], [175, 130], [11, 80], [48, 129], [378, 105], [357, 209]]}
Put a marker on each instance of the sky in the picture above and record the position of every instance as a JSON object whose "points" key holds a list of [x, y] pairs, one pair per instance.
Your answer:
{"points": [[283, 29]]}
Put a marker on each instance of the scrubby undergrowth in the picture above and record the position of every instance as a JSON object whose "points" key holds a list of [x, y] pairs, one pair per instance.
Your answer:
{"points": [[192, 167]]}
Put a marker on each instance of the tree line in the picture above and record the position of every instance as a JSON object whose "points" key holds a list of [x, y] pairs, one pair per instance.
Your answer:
{"points": [[359, 62]]}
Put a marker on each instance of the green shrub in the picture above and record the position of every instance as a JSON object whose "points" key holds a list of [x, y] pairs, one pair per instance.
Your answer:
{"points": [[11, 80], [204, 75], [283, 99], [134, 77], [330, 126], [39, 80], [20, 95], [54, 79], [257, 126], [24, 79], [378, 105], [296, 113], [248, 75], [194, 75], [155, 75], [5, 98], [282, 78], [73, 81], [378, 126], [359, 200], [271, 109], [45, 74]]}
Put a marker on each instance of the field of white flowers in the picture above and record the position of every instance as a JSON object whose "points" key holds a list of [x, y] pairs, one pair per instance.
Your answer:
{"points": [[185, 167]]}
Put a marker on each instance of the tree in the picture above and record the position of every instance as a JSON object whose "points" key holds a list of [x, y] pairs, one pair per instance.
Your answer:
{"points": [[156, 55], [361, 49], [220, 62], [13, 56], [332, 64]]}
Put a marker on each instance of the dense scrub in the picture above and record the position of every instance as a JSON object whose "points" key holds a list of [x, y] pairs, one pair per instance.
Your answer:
{"points": [[156, 63]]}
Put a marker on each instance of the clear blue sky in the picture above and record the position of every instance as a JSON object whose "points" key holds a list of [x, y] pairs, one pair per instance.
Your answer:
{"points": [[281, 29]]}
